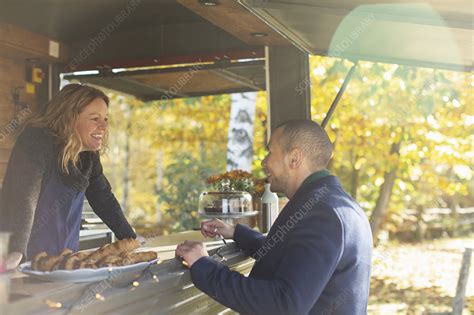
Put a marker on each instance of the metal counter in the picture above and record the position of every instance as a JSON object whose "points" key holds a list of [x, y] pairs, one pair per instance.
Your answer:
{"points": [[163, 288]]}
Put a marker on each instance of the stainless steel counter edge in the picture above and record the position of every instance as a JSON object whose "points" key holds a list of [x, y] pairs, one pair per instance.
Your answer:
{"points": [[164, 288]]}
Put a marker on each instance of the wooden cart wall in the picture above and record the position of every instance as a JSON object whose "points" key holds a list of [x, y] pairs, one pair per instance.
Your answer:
{"points": [[20, 51], [12, 75]]}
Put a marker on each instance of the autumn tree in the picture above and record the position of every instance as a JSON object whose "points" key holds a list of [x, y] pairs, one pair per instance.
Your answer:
{"points": [[397, 130]]}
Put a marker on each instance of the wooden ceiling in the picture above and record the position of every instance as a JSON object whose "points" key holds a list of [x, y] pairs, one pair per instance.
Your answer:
{"points": [[232, 17], [186, 81], [149, 33], [153, 33], [430, 33]]}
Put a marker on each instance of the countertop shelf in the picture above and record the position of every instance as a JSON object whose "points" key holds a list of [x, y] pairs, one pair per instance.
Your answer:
{"points": [[164, 288]]}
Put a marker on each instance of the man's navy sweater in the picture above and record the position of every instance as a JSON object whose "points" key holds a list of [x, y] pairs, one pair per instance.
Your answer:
{"points": [[315, 259]]}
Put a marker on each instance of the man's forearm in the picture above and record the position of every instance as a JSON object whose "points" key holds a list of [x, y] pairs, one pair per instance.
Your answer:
{"points": [[248, 239]]}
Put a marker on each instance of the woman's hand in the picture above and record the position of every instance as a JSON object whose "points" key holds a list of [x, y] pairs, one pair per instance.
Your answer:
{"points": [[217, 227], [13, 259], [141, 239]]}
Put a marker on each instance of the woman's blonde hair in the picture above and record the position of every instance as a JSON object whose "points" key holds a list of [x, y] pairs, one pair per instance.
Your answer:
{"points": [[61, 114]]}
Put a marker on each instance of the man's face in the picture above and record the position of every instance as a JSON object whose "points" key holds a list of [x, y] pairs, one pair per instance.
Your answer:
{"points": [[274, 163]]}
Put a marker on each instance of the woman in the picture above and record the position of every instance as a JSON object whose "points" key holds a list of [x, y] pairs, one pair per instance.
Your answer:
{"points": [[55, 164]]}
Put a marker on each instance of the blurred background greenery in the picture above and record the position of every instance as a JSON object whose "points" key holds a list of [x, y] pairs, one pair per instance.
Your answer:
{"points": [[403, 148]]}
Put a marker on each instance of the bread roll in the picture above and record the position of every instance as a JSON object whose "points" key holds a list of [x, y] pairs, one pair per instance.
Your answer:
{"points": [[36, 259], [88, 263], [110, 261], [72, 261], [43, 262], [115, 249], [109, 255], [63, 256], [134, 258], [47, 263]]}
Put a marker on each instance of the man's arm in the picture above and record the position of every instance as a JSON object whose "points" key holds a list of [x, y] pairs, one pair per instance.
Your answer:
{"points": [[105, 205], [312, 255], [248, 239]]}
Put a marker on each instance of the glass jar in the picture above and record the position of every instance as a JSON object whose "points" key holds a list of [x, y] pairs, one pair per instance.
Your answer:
{"points": [[225, 202]]}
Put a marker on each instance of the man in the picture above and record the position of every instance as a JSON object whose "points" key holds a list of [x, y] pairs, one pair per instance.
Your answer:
{"points": [[316, 257]]}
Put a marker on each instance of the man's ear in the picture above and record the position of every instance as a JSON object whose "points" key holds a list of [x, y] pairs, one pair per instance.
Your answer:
{"points": [[295, 157]]}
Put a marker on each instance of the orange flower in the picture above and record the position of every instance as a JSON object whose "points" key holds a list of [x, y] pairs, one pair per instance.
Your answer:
{"points": [[239, 180], [238, 174], [259, 186], [213, 179]]}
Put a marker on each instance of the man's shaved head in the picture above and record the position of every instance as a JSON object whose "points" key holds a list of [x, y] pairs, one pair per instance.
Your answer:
{"points": [[309, 137]]}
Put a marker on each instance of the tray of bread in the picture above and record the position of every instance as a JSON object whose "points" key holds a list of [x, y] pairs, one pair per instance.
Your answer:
{"points": [[107, 261]]}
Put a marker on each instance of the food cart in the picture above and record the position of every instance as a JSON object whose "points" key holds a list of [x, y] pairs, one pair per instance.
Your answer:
{"points": [[165, 49]]}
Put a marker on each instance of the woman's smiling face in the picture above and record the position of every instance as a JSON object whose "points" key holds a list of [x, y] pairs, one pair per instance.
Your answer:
{"points": [[92, 125]]}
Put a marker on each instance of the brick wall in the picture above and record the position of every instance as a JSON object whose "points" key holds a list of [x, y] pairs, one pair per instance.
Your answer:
{"points": [[12, 75]]}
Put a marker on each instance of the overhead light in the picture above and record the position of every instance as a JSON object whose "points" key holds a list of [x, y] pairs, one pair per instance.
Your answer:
{"points": [[117, 70], [86, 72], [209, 3], [259, 34]]}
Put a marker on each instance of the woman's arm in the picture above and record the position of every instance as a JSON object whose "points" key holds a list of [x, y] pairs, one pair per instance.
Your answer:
{"points": [[22, 185], [105, 205]]}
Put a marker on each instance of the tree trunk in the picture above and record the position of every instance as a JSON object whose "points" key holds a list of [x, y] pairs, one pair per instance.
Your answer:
{"points": [[380, 211], [420, 226], [355, 182], [355, 177], [126, 170], [453, 206], [240, 139], [158, 183], [331, 161]]}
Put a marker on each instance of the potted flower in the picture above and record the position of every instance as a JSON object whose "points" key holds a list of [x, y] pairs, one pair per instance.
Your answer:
{"points": [[241, 181]]}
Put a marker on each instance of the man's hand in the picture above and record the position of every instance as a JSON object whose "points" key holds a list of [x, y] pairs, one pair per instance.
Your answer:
{"points": [[191, 251], [214, 227]]}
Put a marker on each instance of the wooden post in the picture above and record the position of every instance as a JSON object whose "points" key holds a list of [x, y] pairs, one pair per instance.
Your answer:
{"points": [[288, 84], [54, 81], [458, 302]]}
